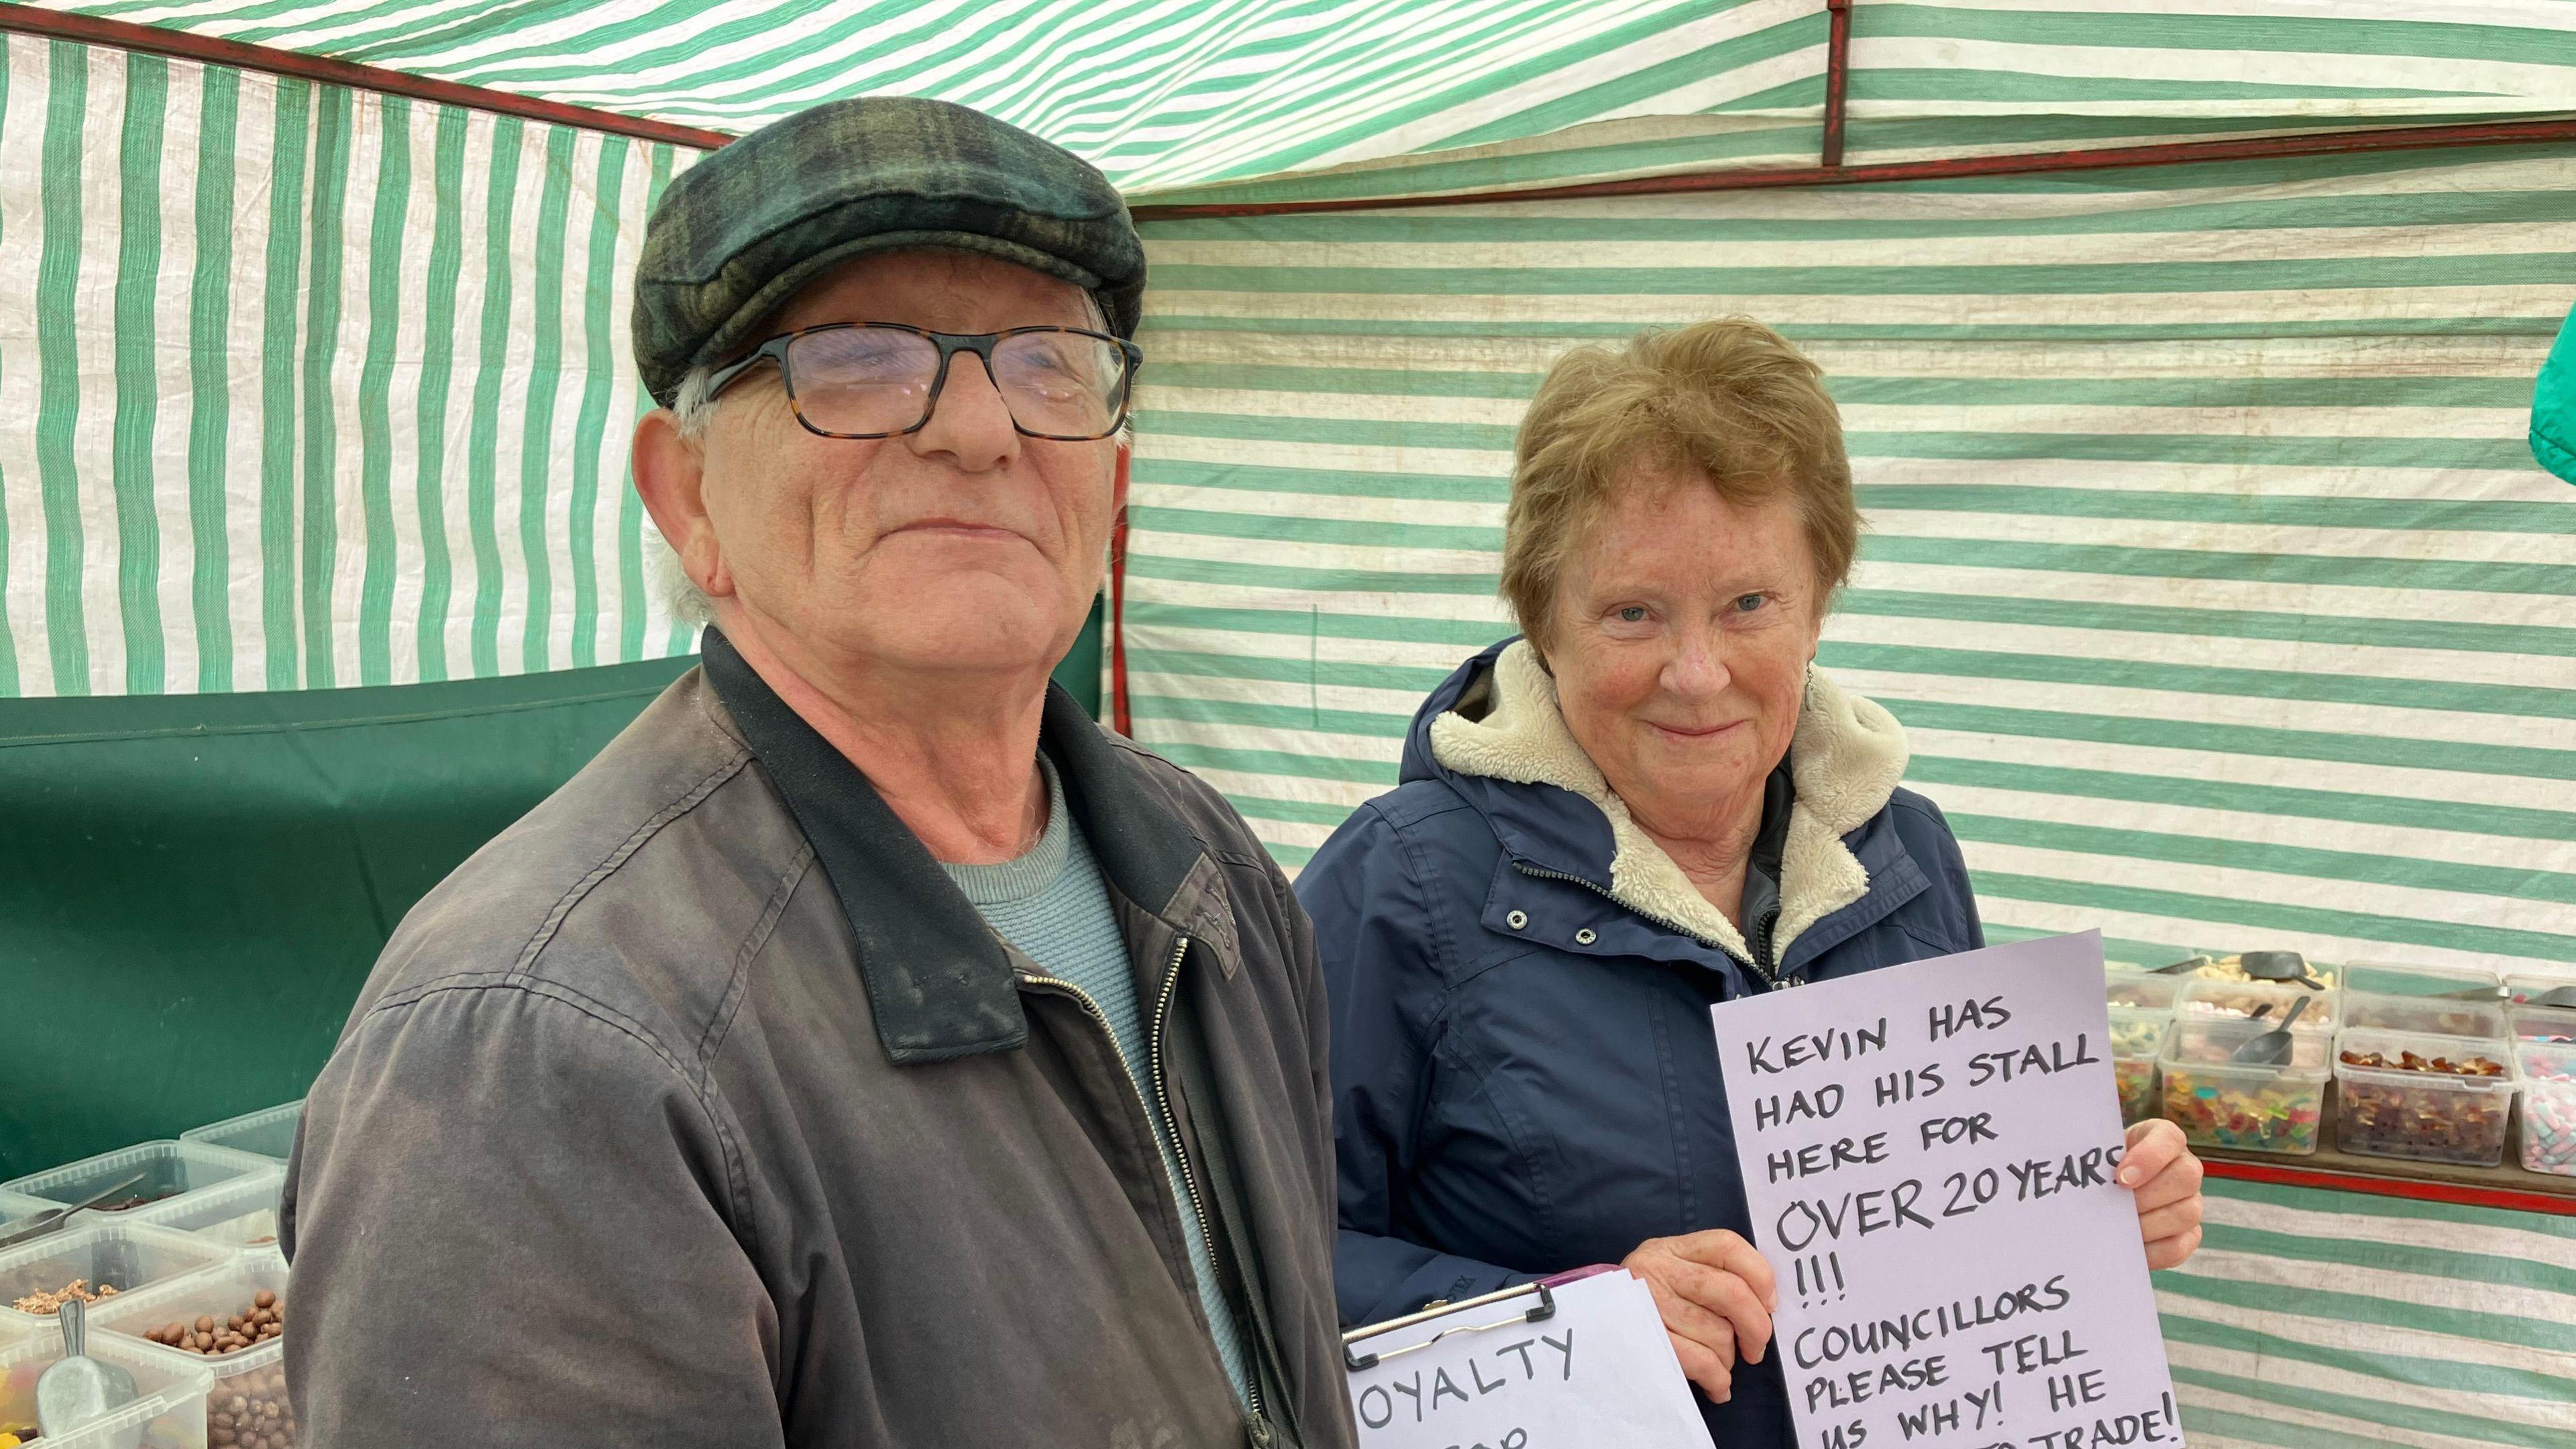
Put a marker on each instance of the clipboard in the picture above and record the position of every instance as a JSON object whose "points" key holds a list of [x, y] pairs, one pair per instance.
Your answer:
{"points": [[1584, 1358], [1539, 1312]]}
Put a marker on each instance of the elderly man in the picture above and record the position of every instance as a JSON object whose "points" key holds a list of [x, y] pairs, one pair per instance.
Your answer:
{"points": [[866, 1049]]}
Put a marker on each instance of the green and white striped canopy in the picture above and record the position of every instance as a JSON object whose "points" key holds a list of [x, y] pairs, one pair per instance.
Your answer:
{"points": [[1170, 96]]}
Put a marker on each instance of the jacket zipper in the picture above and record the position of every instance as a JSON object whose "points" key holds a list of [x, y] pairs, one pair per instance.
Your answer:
{"points": [[1769, 981], [1171, 1120]]}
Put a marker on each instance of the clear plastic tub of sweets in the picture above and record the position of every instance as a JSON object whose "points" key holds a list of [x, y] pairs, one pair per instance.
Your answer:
{"points": [[2421, 1097], [239, 1214], [2130, 986], [17, 1206], [165, 1169], [2218, 1101], [171, 1414], [99, 1256], [2137, 1034], [269, 1132], [2530, 990], [2241, 1000], [247, 1407], [2552, 1024], [2439, 1015], [2548, 1106], [2392, 978]]}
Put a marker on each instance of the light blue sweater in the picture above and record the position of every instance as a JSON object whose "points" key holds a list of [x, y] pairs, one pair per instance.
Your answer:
{"points": [[1052, 904]]}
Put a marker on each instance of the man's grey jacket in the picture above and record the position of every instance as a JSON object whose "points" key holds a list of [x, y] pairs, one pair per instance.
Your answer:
{"points": [[699, 1108]]}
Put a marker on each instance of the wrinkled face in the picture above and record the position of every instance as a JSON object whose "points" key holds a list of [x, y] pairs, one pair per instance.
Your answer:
{"points": [[963, 547], [1680, 639]]}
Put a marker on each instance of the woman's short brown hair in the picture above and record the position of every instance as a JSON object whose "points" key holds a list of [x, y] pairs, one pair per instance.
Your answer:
{"points": [[1729, 399]]}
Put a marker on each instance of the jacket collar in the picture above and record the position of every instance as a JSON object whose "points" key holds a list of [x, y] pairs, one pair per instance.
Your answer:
{"points": [[939, 981], [1845, 759]]}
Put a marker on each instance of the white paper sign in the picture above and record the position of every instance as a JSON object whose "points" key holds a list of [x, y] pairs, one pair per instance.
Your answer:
{"points": [[1928, 1150], [1598, 1371]]}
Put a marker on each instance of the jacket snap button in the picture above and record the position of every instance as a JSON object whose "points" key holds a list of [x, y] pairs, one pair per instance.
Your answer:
{"points": [[1585, 937], [1517, 919]]}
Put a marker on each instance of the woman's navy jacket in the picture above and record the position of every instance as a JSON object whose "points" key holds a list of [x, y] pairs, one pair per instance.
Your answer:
{"points": [[1510, 1103]]}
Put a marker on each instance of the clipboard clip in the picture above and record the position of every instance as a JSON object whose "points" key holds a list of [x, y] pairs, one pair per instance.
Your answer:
{"points": [[1543, 1310]]}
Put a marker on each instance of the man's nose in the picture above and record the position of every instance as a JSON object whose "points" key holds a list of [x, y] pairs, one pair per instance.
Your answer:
{"points": [[969, 423]]}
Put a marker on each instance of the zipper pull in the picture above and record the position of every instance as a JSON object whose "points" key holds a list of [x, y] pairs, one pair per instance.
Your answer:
{"points": [[1257, 1431]]}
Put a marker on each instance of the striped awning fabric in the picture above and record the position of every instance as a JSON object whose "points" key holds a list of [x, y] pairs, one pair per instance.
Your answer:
{"points": [[309, 387], [2206, 565], [1171, 95]]}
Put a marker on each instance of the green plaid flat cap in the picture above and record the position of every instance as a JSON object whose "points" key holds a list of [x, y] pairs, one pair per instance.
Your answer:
{"points": [[744, 230]]}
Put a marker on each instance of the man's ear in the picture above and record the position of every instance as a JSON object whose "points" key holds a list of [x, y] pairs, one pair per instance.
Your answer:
{"points": [[670, 476]]}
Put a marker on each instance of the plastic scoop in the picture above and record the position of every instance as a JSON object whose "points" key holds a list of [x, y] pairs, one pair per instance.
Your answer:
{"points": [[2272, 1048], [78, 1389], [2186, 964], [2279, 966], [36, 1225]]}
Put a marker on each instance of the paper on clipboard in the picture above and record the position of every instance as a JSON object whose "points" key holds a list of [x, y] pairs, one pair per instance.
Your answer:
{"points": [[1551, 1366]]}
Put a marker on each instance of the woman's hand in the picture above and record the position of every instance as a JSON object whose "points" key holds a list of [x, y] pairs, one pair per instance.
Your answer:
{"points": [[1716, 1294], [2167, 1180]]}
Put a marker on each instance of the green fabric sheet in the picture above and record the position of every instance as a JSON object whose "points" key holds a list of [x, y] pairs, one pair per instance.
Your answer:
{"points": [[193, 886]]}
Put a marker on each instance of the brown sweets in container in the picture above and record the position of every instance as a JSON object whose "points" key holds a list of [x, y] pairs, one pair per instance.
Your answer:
{"points": [[263, 1320], [251, 1412]]}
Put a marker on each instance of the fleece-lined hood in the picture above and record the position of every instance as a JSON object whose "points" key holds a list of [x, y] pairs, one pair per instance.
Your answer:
{"points": [[1846, 759]]}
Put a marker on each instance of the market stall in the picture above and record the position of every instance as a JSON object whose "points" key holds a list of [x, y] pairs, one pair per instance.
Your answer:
{"points": [[2208, 571]]}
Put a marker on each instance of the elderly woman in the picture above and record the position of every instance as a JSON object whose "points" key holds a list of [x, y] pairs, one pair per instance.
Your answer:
{"points": [[1650, 803]]}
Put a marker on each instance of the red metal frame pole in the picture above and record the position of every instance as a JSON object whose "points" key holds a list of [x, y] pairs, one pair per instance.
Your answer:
{"points": [[1837, 77], [2560, 129], [1118, 715], [182, 45]]}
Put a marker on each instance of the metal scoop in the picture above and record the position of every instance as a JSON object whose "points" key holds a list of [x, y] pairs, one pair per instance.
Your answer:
{"points": [[2555, 996], [36, 1225], [78, 1389], [2272, 1048]]}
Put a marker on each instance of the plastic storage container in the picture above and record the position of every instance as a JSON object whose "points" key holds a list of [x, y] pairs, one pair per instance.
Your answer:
{"points": [[2554, 1024], [247, 1405], [2130, 986], [2438, 1015], [2548, 1106], [100, 1252], [2526, 990], [2389, 978], [2220, 1102], [171, 1414], [14, 1206], [2204, 998], [2424, 1114], [2137, 1034], [169, 1169], [269, 1132], [239, 1214]]}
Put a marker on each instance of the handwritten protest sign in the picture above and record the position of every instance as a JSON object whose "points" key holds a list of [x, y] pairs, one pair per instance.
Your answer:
{"points": [[1595, 1369], [1928, 1150]]}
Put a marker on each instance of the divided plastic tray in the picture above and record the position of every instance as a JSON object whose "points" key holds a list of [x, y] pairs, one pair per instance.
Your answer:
{"points": [[247, 1404], [171, 1414], [2221, 1102], [100, 1251], [237, 1214], [2423, 1116], [269, 1132], [170, 1169]]}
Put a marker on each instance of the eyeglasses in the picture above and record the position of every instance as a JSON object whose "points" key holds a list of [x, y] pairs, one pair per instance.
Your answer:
{"points": [[881, 379]]}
